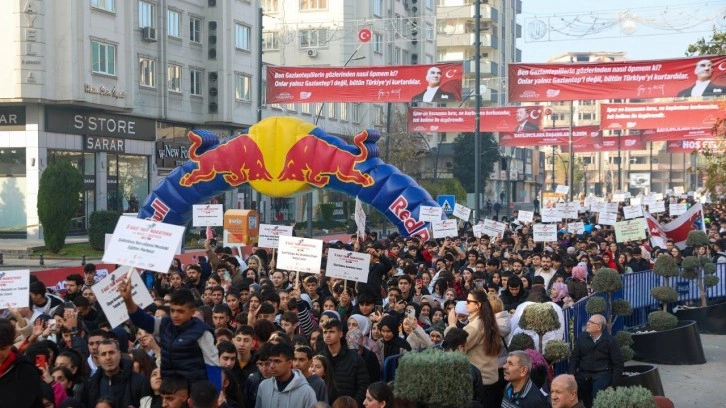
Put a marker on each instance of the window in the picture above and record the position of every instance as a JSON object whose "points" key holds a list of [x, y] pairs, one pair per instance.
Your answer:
{"points": [[378, 43], [429, 4], [147, 14], [195, 77], [195, 30], [290, 107], [313, 4], [242, 87], [173, 23], [173, 74], [331, 110], [377, 7], [104, 58], [107, 5], [313, 38], [270, 6], [305, 108], [147, 72], [355, 112], [270, 40], [429, 32], [397, 56], [264, 92], [343, 111], [242, 37]]}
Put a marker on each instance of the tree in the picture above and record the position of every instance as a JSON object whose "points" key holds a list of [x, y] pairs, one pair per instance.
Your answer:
{"points": [[715, 167], [464, 159], [714, 46], [405, 150], [444, 186], [59, 195]]}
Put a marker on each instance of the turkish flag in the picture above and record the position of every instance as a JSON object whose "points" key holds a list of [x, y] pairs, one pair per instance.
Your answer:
{"points": [[678, 229]]}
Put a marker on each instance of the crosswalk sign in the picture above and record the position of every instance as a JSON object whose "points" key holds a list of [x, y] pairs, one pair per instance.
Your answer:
{"points": [[447, 203]]}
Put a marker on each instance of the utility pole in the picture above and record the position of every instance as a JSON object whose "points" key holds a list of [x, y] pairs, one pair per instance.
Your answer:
{"points": [[477, 108]]}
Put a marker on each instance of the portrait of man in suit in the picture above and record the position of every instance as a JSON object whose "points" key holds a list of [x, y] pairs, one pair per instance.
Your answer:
{"points": [[704, 85], [433, 93], [523, 123]]}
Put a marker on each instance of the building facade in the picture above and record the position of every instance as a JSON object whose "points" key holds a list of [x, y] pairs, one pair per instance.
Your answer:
{"points": [[114, 87]]}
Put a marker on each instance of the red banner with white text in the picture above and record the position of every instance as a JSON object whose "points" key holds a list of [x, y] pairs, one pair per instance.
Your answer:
{"points": [[438, 83], [683, 77], [618, 116], [610, 144], [506, 119], [552, 136], [689, 146], [666, 134]]}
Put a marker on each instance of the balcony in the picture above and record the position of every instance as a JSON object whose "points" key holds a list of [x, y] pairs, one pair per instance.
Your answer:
{"points": [[487, 67]]}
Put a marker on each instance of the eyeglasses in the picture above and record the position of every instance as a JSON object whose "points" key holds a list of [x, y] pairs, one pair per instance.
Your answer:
{"points": [[591, 322], [471, 301]]}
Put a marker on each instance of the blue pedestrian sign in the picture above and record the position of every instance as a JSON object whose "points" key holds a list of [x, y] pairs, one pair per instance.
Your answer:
{"points": [[447, 203]]}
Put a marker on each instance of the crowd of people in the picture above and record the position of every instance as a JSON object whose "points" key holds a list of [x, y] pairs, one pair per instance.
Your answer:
{"points": [[235, 331]]}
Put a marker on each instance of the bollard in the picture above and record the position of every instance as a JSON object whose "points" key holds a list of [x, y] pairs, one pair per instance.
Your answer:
{"points": [[42, 261], [83, 261], [1, 259]]}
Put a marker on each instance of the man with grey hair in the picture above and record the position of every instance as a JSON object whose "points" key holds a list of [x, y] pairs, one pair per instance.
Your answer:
{"points": [[521, 392], [563, 392], [596, 361]]}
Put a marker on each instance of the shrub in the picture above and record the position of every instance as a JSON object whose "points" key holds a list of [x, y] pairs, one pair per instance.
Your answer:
{"points": [[101, 223], [624, 338], [661, 320], [521, 341], [540, 318], [630, 397], [664, 294], [434, 378], [556, 350], [59, 196], [607, 281], [699, 268], [627, 352], [666, 267]]}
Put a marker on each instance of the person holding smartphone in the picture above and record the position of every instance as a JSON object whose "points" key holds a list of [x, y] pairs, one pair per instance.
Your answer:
{"points": [[19, 379]]}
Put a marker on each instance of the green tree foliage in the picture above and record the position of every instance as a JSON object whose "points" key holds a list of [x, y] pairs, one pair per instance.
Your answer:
{"points": [[540, 318], [101, 223], [716, 45], [625, 397], [434, 378], [699, 268], [59, 196], [607, 281], [445, 186], [464, 159]]}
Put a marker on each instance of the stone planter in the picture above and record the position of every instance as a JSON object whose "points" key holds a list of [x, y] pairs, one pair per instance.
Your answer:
{"points": [[647, 377], [710, 319], [678, 346]]}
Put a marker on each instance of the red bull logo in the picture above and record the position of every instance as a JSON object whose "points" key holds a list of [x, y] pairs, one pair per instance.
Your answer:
{"points": [[240, 160], [314, 161], [400, 209]]}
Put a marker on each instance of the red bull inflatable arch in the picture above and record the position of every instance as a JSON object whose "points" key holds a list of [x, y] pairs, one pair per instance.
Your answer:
{"points": [[284, 157]]}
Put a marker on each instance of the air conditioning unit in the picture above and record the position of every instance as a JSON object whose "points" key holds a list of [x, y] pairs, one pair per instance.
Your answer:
{"points": [[312, 53], [148, 34]]}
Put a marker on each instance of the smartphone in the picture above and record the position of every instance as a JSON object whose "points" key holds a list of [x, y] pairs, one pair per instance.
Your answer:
{"points": [[479, 284], [52, 324], [40, 361], [419, 282], [379, 309], [227, 276], [210, 233], [411, 313]]}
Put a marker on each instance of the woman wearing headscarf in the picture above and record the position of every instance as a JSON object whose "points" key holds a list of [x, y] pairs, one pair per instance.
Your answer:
{"points": [[362, 323], [391, 343]]}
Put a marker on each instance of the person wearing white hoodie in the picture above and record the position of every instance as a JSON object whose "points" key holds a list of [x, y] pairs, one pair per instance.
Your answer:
{"points": [[287, 388]]}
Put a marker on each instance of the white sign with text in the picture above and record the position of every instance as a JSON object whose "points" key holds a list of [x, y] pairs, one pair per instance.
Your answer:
{"points": [[462, 212], [525, 216], [429, 214], [657, 206], [107, 295], [208, 215], [14, 288], [677, 209], [348, 265], [299, 254], [493, 228], [562, 189], [607, 219], [632, 211], [270, 235], [551, 215], [143, 244], [544, 232], [444, 228]]}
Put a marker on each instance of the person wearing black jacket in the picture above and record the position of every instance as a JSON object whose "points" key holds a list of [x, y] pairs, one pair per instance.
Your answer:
{"points": [[379, 267], [514, 294], [19, 379], [596, 361], [349, 369], [637, 263], [115, 379]]}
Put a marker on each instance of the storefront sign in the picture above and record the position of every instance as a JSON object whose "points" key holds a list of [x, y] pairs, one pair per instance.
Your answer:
{"points": [[99, 124], [171, 155], [104, 144], [103, 91], [12, 118]]}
